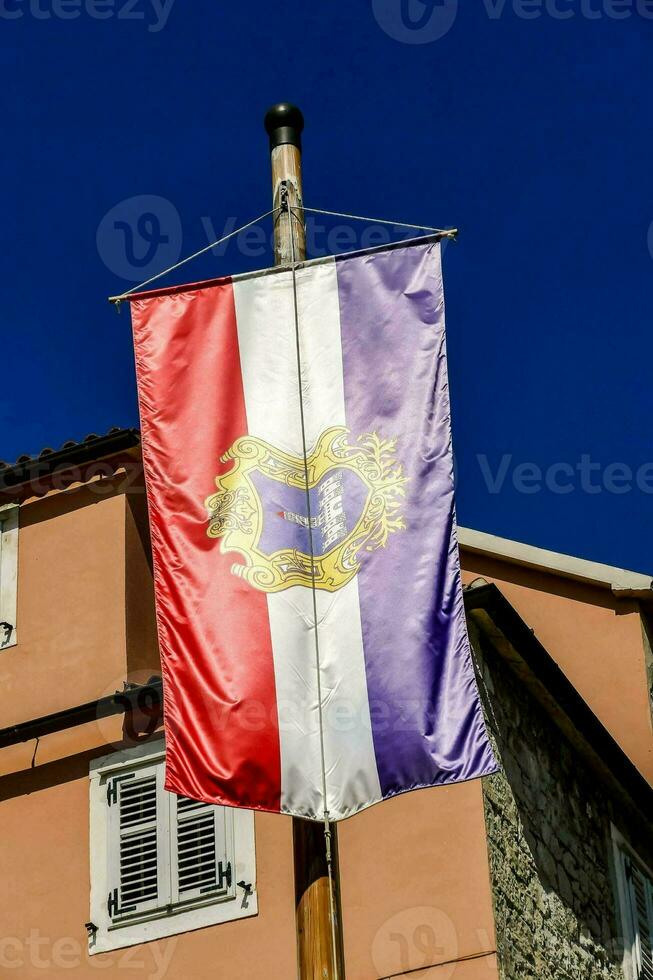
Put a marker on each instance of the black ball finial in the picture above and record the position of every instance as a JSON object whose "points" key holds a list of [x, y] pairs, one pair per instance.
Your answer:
{"points": [[284, 124]]}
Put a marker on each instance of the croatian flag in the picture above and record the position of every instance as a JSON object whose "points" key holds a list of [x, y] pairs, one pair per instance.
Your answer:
{"points": [[300, 485]]}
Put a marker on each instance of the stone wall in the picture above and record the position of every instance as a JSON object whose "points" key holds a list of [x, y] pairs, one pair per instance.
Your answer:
{"points": [[548, 825]]}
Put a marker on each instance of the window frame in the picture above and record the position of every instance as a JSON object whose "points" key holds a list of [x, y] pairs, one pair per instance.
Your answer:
{"points": [[158, 922], [622, 850], [9, 520]]}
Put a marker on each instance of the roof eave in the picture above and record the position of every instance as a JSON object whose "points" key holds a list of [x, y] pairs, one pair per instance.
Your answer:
{"points": [[621, 582], [16, 480]]}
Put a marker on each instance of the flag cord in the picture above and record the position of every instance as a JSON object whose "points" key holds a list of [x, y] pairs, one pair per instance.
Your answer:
{"points": [[189, 258], [327, 824]]}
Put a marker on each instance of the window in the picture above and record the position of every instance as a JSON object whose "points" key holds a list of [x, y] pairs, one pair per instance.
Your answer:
{"points": [[8, 574], [162, 864], [635, 887]]}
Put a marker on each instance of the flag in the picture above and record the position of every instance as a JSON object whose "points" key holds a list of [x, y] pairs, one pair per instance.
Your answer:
{"points": [[297, 450]]}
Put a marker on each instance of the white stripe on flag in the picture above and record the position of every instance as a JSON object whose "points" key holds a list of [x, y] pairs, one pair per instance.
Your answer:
{"points": [[266, 337]]}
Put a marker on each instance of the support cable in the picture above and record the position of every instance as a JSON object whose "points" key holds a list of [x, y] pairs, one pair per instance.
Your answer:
{"points": [[189, 258], [445, 232]]}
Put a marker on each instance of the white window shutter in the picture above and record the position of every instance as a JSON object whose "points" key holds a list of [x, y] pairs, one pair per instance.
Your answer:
{"points": [[641, 899], [202, 842], [138, 858], [9, 514], [162, 865]]}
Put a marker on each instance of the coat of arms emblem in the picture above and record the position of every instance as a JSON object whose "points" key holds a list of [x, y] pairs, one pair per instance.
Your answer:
{"points": [[262, 506]]}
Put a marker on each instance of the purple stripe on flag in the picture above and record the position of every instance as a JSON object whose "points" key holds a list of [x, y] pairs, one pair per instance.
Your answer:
{"points": [[427, 722]]}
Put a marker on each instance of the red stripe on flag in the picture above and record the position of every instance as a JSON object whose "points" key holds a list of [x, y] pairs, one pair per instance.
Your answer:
{"points": [[214, 632]]}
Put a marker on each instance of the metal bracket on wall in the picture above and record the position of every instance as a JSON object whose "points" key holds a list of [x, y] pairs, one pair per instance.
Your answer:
{"points": [[8, 631], [283, 196], [248, 890]]}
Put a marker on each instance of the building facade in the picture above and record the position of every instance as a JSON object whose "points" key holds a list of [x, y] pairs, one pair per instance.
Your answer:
{"points": [[540, 871]]}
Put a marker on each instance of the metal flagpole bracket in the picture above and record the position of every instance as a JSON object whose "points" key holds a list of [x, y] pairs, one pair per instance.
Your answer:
{"points": [[283, 196]]}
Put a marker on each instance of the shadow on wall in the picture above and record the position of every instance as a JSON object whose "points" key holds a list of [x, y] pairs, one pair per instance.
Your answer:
{"points": [[142, 648], [647, 630], [545, 584], [548, 826], [44, 776]]}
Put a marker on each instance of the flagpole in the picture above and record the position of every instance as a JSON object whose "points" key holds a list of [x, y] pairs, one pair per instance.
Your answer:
{"points": [[319, 938]]}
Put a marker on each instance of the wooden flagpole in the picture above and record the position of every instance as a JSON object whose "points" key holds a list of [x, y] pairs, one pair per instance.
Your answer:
{"points": [[315, 931]]}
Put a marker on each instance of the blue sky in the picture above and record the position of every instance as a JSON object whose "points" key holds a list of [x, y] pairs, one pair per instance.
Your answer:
{"points": [[132, 134]]}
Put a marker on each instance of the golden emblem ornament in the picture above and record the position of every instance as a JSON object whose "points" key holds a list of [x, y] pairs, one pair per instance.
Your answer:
{"points": [[355, 490]]}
